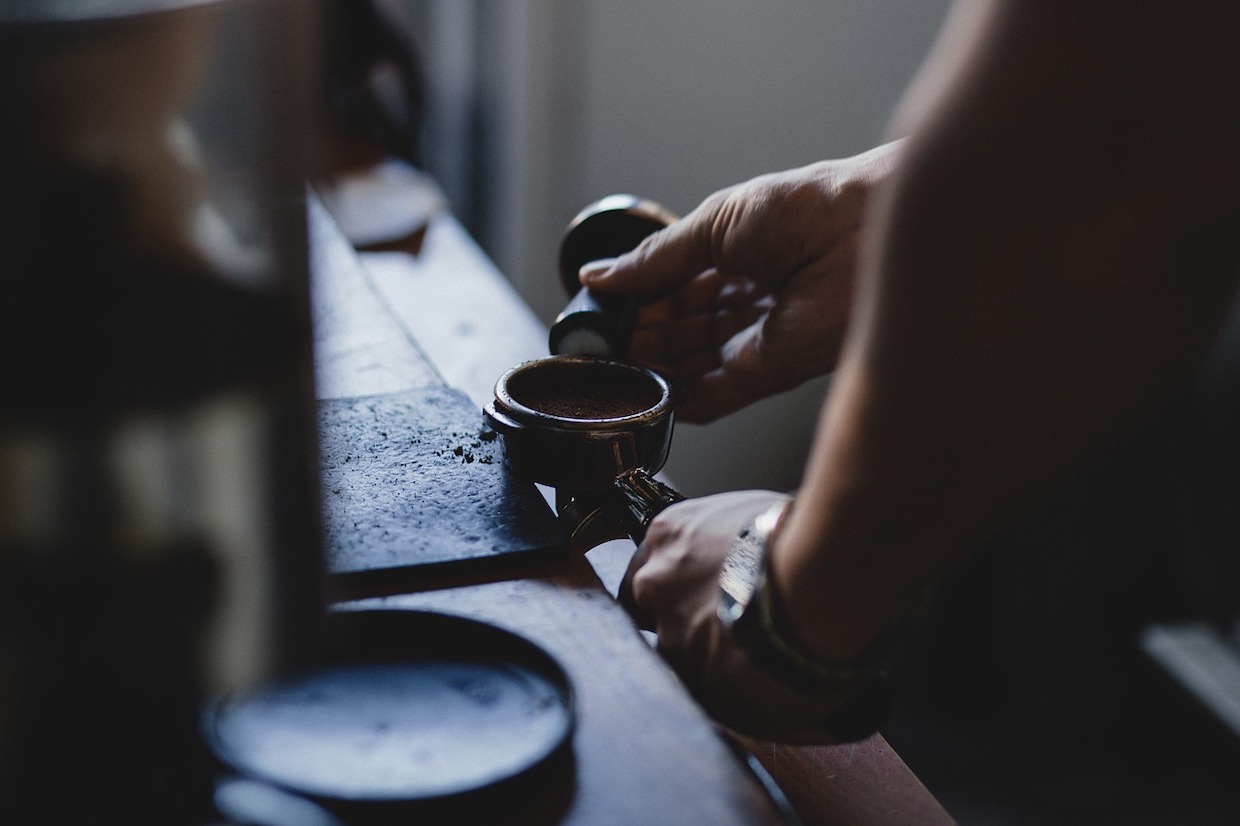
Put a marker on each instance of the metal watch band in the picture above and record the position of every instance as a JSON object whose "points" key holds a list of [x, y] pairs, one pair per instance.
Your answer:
{"points": [[760, 625], [744, 564]]}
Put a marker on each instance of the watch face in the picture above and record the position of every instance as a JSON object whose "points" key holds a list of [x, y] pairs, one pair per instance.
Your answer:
{"points": [[742, 568]]}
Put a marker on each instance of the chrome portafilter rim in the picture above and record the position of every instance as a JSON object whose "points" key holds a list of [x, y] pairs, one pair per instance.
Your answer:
{"points": [[523, 392], [576, 423]]}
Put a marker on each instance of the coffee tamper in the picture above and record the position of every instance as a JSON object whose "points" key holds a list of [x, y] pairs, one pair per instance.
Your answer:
{"points": [[594, 324]]}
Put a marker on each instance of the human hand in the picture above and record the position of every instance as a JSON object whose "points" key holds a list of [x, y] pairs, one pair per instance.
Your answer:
{"points": [[672, 588], [749, 294]]}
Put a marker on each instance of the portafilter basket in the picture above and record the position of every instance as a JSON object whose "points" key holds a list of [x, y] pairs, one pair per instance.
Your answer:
{"points": [[594, 429]]}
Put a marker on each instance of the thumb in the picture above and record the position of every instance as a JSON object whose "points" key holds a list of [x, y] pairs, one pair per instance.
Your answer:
{"points": [[660, 263]]}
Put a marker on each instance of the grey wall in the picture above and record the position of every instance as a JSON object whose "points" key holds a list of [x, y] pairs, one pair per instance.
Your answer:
{"points": [[575, 99]]}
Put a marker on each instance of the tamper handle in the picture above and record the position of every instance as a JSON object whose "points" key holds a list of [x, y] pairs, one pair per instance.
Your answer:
{"points": [[593, 324], [641, 498]]}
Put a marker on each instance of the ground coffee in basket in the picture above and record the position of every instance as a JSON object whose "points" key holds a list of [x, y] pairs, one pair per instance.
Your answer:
{"points": [[586, 392]]}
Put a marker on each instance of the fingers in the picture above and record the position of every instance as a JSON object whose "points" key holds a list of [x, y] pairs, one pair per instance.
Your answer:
{"points": [[713, 396], [624, 595], [679, 560], [672, 588], [679, 342], [685, 332], [726, 372], [661, 262]]}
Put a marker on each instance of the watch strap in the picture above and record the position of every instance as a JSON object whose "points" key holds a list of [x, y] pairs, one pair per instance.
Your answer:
{"points": [[760, 624]]}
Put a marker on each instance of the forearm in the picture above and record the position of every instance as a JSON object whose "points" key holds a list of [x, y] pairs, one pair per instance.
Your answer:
{"points": [[1035, 279]]}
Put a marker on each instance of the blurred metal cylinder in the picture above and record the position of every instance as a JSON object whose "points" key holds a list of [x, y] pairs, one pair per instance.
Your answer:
{"points": [[159, 535]]}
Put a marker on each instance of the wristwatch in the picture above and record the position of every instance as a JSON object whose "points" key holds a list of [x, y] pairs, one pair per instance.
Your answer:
{"points": [[751, 610]]}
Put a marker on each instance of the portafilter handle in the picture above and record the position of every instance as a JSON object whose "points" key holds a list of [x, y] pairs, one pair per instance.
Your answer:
{"points": [[641, 498]]}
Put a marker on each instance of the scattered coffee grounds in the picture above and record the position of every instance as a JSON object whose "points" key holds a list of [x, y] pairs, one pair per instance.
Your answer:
{"points": [[576, 390]]}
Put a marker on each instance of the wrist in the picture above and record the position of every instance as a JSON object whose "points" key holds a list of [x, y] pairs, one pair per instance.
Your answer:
{"points": [[874, 165], [837, 610], [753, 609]]}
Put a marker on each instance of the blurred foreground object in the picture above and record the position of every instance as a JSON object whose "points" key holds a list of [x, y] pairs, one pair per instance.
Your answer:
{"points": [[374, 84], [158, 505], [374, 101]]}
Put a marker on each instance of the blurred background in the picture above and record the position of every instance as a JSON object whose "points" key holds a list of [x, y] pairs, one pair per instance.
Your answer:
{"points": [[1082, 669]]}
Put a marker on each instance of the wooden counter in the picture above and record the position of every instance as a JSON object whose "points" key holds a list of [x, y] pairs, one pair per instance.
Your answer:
{"points": [[643, 752]]}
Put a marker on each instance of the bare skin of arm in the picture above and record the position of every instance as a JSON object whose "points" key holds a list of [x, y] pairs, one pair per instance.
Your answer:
{"points": [[1054, 254]]}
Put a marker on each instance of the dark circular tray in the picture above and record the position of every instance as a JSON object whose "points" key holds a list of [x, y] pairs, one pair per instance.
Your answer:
{"points": [[409, 706]]}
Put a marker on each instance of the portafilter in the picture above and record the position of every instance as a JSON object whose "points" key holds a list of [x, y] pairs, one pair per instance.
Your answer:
{"points": [[585, 421], [594, 429]]}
